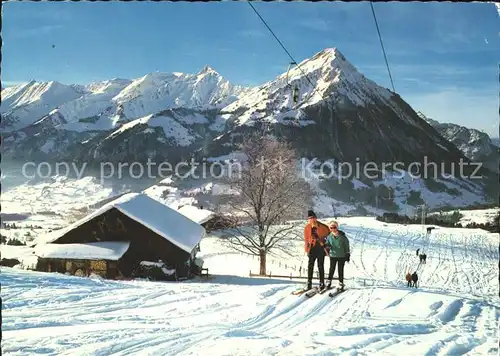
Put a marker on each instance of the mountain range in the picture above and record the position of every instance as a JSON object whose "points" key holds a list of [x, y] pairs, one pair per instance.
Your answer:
{"points": [[476, 145], [340, 115]]}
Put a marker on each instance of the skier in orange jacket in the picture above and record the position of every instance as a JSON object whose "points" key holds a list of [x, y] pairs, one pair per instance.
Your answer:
{"points": [[315, 234]]}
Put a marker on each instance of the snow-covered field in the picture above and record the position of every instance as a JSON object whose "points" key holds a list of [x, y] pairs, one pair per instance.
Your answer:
{"points": [[454, 311], [478, 216]]}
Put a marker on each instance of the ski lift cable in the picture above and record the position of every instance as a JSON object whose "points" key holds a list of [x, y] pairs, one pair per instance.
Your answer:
{"points": [[382, 45], [282, 45], [388, 70]]}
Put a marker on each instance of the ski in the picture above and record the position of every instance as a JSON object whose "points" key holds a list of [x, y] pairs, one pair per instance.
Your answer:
{"points": [[317, 290], [312, 292], [338, 291], [300, 291], [325, 289]]}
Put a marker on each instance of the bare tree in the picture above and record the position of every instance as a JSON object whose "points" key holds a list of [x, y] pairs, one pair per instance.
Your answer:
{"points": [[269, 192]]}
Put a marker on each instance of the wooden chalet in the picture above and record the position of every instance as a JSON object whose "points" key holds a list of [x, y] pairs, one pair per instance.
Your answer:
{"points": [[122, 238]]}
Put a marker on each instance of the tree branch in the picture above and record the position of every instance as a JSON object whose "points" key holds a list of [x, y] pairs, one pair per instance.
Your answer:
{"points": [[268, 195]]}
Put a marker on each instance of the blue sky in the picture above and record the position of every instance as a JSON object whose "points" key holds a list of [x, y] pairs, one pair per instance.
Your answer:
{"points": [[443, 56]]}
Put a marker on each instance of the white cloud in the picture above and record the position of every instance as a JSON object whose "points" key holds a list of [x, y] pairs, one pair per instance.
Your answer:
{"points": [[11, 83]]}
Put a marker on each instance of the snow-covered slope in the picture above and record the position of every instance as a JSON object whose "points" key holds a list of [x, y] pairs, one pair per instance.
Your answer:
{"points": [[473, 143], [340, 114], [454, 311], [92, 110], [476, 145], [168, 135], [478, 216], [170, 127], [24, 104], [95, 106], [351, 198], [402, 195], [158, 91], [326, 75], [333, 96]]}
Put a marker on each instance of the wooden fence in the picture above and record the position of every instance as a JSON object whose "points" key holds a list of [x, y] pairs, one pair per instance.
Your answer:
{"points": [[270, 275]]}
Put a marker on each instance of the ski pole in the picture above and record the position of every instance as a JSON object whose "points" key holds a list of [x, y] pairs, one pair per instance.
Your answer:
{"points": [[302, 262]]}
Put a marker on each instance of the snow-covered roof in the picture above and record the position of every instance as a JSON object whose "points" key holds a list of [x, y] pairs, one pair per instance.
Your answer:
{"points": [[163, 220], [112, 251], [198, 215]]}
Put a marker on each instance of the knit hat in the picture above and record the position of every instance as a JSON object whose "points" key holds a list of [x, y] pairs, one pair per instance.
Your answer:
{"points": [[311, 214], [333, 223]]}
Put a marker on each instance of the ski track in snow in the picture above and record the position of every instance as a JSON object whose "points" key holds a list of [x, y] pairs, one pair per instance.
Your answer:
{"points": [[454, 311]]}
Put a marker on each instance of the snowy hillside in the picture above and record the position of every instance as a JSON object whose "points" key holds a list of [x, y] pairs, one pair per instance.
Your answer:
{"points": [[352, 198], [24, 104], [478, 216], [341, 116], [90, 111], [325, 75], [473, 143], [157, 91], [454, 311], [95, 106], [62, 198], [401, 195], [332, 95], [48, 204]]}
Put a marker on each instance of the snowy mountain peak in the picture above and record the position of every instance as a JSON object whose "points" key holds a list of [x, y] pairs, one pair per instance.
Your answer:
{"points": [[208, 70], [159, 91], [332, 63], [473, 143], [327, 75], [332, 53], [104, 86], [44, 96], [24, 104], [106, 100]]}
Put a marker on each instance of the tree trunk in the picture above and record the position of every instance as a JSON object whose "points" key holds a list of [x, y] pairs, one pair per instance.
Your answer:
{"points": [[262, 256]]}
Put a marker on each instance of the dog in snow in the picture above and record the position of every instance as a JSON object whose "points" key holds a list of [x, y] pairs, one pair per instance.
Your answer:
{"points": [[414, 279], [408, 279]]}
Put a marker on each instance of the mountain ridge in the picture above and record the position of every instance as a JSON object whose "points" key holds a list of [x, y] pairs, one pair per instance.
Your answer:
{"points": [[340, 98], [475, 144], [340, 115]]}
